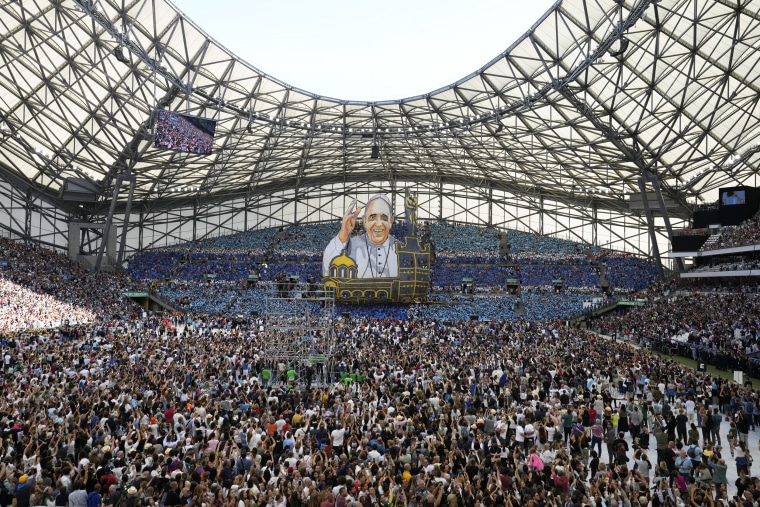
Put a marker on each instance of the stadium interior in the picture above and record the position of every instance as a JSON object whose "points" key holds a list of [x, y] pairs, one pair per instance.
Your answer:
{"points": [[570, 231]]}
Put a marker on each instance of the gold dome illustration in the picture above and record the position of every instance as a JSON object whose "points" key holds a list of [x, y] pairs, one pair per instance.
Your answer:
{"points": [[343, 266]]}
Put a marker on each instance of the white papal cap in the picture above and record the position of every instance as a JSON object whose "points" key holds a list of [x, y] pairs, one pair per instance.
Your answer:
{"points": [[382, 197]]}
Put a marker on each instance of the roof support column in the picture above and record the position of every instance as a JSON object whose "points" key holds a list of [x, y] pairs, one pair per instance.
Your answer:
{"points": [[541, 214], [195, 222], [656, 184], [125, 225], [28, 217], [440, 201], [650, 224], [109, 222], [490, 204]]}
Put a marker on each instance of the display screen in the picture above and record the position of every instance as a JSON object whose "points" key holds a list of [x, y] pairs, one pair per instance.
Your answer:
{"points": [[189, 134], [732, 197]]}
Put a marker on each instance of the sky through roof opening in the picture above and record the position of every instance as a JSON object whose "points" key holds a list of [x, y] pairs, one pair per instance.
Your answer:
{"points": [[365, 51]]}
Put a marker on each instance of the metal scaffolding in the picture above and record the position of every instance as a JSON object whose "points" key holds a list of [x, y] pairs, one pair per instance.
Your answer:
{"points": [[300, 321]]}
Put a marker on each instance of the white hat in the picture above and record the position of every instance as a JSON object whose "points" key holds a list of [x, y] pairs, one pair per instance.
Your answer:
{"points": [[381, 197]]}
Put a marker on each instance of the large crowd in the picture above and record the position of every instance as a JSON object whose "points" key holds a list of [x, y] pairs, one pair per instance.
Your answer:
{"points": [[626, 273], [140, 412], [573, 272], [747, 233], [716, 327], [485, 256], [417, 410]]}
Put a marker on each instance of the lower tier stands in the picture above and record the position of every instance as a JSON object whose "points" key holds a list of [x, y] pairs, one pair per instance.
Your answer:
{"points": [[714, 327], [550, 305]]}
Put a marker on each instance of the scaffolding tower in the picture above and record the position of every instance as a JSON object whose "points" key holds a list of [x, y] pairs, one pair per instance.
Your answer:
{"points": [[300, 321]]}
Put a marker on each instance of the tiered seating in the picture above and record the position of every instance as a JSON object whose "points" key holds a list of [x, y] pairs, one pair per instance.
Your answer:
{"points": [[305, 242], [226, 266], [304, 270], [230, 257], [463, 251], [748, 233], [526, 242], [43, 289], [464, 243], [575, 273], [549, 305], [254, 243], [198, 297], [154, 264], [450, 308], [627, 273], [450, 275]]}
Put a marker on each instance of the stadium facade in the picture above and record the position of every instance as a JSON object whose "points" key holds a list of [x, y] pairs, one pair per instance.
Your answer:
{"points": [[607, 122]]}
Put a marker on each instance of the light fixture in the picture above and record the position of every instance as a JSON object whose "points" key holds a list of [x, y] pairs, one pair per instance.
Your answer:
{"points": [[623, 47], [118, 52], [499, 124]]}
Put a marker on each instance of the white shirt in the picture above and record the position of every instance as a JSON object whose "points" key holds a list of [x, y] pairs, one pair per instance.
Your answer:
{"points": [[337, 436]]}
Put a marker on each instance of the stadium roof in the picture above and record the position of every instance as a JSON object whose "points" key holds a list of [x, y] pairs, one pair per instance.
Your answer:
{"points": [[593, 96]]}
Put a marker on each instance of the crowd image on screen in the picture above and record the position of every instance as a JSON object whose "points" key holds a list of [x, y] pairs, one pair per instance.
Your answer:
{"points": [[177, 132]]}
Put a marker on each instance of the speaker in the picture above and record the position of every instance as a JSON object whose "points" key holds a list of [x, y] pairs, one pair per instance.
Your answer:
{"points": [[79, 190], [375, 151]]}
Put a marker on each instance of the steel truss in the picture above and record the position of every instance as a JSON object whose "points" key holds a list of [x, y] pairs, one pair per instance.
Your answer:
{"points": [[550, 136]]}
